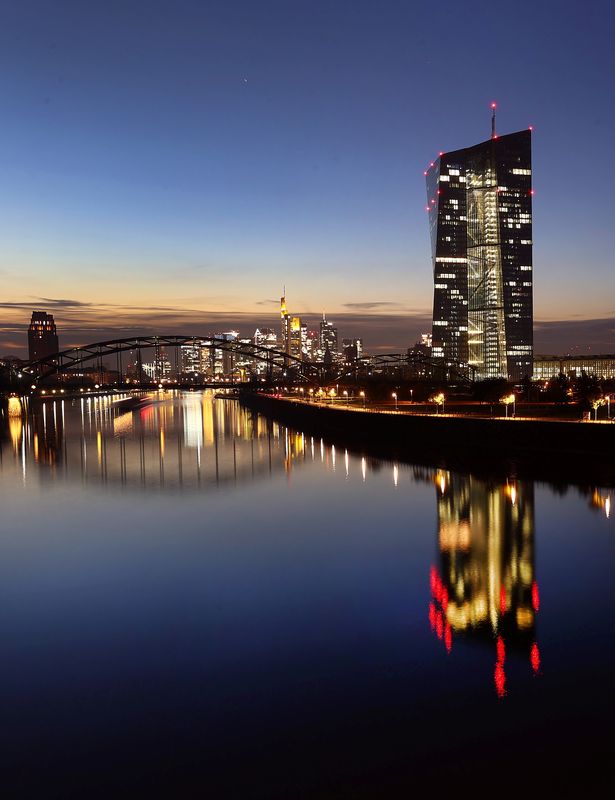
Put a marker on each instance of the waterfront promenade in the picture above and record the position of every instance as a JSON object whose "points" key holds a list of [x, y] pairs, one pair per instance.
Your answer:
{"points": [[558, 449]]}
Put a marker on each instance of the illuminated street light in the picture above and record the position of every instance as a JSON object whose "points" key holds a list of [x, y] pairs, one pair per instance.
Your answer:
{"points": [[507, 400], [394, 396], [346, 396], [438, 400], [362, 394]]}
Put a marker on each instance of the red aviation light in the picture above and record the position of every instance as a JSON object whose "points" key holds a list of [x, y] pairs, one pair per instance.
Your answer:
{"points": [[432, 164], [531, 128], [532, 192], [494, 105], [441, 153], [426, 208], [425, 172]]}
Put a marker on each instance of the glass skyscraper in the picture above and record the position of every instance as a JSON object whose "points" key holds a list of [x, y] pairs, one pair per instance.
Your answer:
{"points": [[480, 216]]}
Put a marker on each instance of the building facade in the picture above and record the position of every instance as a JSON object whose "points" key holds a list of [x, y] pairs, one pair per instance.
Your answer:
{"points": [[480, 219], [548, 367]]}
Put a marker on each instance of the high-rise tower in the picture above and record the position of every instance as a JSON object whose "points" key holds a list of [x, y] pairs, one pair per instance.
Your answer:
{"points": [[42, 336], [480, 218]]}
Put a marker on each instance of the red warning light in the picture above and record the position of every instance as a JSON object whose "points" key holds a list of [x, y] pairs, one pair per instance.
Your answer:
{"points": [[425, 173], [441, 153], [431, 165], [494, 105], [531, 128]]}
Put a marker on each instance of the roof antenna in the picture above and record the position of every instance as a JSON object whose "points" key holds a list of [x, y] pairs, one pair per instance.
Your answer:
{"points": [[493, 133]]}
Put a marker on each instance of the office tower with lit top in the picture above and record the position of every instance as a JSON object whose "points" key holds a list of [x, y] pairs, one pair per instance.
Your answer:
{"points": [[42, 336], [480, 219]]}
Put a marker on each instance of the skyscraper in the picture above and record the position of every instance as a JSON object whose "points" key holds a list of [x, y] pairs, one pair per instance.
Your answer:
{"points": [[480, 218], [328, 338], [290, 330], [42, 336]]}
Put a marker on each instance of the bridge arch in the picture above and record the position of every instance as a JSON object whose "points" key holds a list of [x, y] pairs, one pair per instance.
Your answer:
{"points": [[275, 362]]}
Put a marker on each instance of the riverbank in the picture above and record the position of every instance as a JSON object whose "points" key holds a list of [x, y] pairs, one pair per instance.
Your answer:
{"points": [[556, 451]]}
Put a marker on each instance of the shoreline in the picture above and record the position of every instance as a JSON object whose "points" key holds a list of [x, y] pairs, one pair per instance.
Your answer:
{"points": [[550, 450]]}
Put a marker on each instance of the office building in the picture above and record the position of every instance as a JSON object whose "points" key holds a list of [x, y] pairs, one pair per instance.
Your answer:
{"points": [[328, 339], [548, 367], [290, 330], [42, 336], [480, 218]]}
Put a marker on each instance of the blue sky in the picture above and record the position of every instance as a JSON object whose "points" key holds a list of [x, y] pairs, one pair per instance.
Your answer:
{"points": [[196, 156]]}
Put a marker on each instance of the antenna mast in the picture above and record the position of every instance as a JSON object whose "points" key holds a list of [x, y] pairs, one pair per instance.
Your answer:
{"points": [[493, 133]]}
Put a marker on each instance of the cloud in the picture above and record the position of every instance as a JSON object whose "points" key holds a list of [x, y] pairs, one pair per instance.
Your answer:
{"points": [[371, 305], [50, 301], [267, 302], [575, 336]]}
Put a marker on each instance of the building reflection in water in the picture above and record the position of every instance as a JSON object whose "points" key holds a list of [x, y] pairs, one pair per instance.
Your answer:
{"points": [[185, 440], [484, 586]]}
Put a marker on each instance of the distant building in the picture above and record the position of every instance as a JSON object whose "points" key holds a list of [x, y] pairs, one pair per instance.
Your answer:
{"points": [[352, 350], [328, 339], [480, 216], [311, 346], [290, 330], [42, 336], [548, 367]]}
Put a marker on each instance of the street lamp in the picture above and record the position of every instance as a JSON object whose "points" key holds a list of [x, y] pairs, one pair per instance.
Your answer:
{"points": [[509, 399], [362, 394], [346, 396], [438, 399], [411, 393], [394, 396]]}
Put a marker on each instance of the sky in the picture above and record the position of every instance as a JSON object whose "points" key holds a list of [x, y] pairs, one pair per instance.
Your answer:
{"points": [[169, 166]]}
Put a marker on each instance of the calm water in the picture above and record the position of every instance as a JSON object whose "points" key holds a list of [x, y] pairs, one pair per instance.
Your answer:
{"points": [[196, 602]]}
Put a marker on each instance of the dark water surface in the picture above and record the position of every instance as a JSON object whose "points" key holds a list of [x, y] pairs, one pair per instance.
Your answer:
{"points": [[196, 602]]}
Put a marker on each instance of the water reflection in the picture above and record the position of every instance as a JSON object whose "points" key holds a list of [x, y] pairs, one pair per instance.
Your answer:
{"points": [[484, 586], [182, 441]]}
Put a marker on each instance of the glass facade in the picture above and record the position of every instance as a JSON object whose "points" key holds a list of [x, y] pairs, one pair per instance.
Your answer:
{"points": [[480, 217]]}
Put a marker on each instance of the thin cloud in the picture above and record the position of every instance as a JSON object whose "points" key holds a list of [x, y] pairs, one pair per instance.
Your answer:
{"points": [[367, 306]]}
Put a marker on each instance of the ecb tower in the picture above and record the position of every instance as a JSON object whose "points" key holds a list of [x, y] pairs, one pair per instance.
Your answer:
{"points": [[480, 217]]}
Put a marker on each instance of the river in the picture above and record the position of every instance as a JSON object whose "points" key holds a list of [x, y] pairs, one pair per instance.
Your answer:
{"points": [[198, 601]]}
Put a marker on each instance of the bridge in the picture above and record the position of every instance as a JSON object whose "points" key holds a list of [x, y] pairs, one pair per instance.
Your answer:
{"points": [[243, 361]]}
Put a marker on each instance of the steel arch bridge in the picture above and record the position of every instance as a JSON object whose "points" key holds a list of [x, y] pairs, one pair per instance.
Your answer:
{"points": [[275, 364], [273, 361]]}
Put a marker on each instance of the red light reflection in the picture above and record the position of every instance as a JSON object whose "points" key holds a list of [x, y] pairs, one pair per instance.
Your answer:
{"points": [[535, 657], [535, 597]]}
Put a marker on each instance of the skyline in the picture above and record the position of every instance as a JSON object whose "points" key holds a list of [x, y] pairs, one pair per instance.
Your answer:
{"points": [[194, 168]]}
